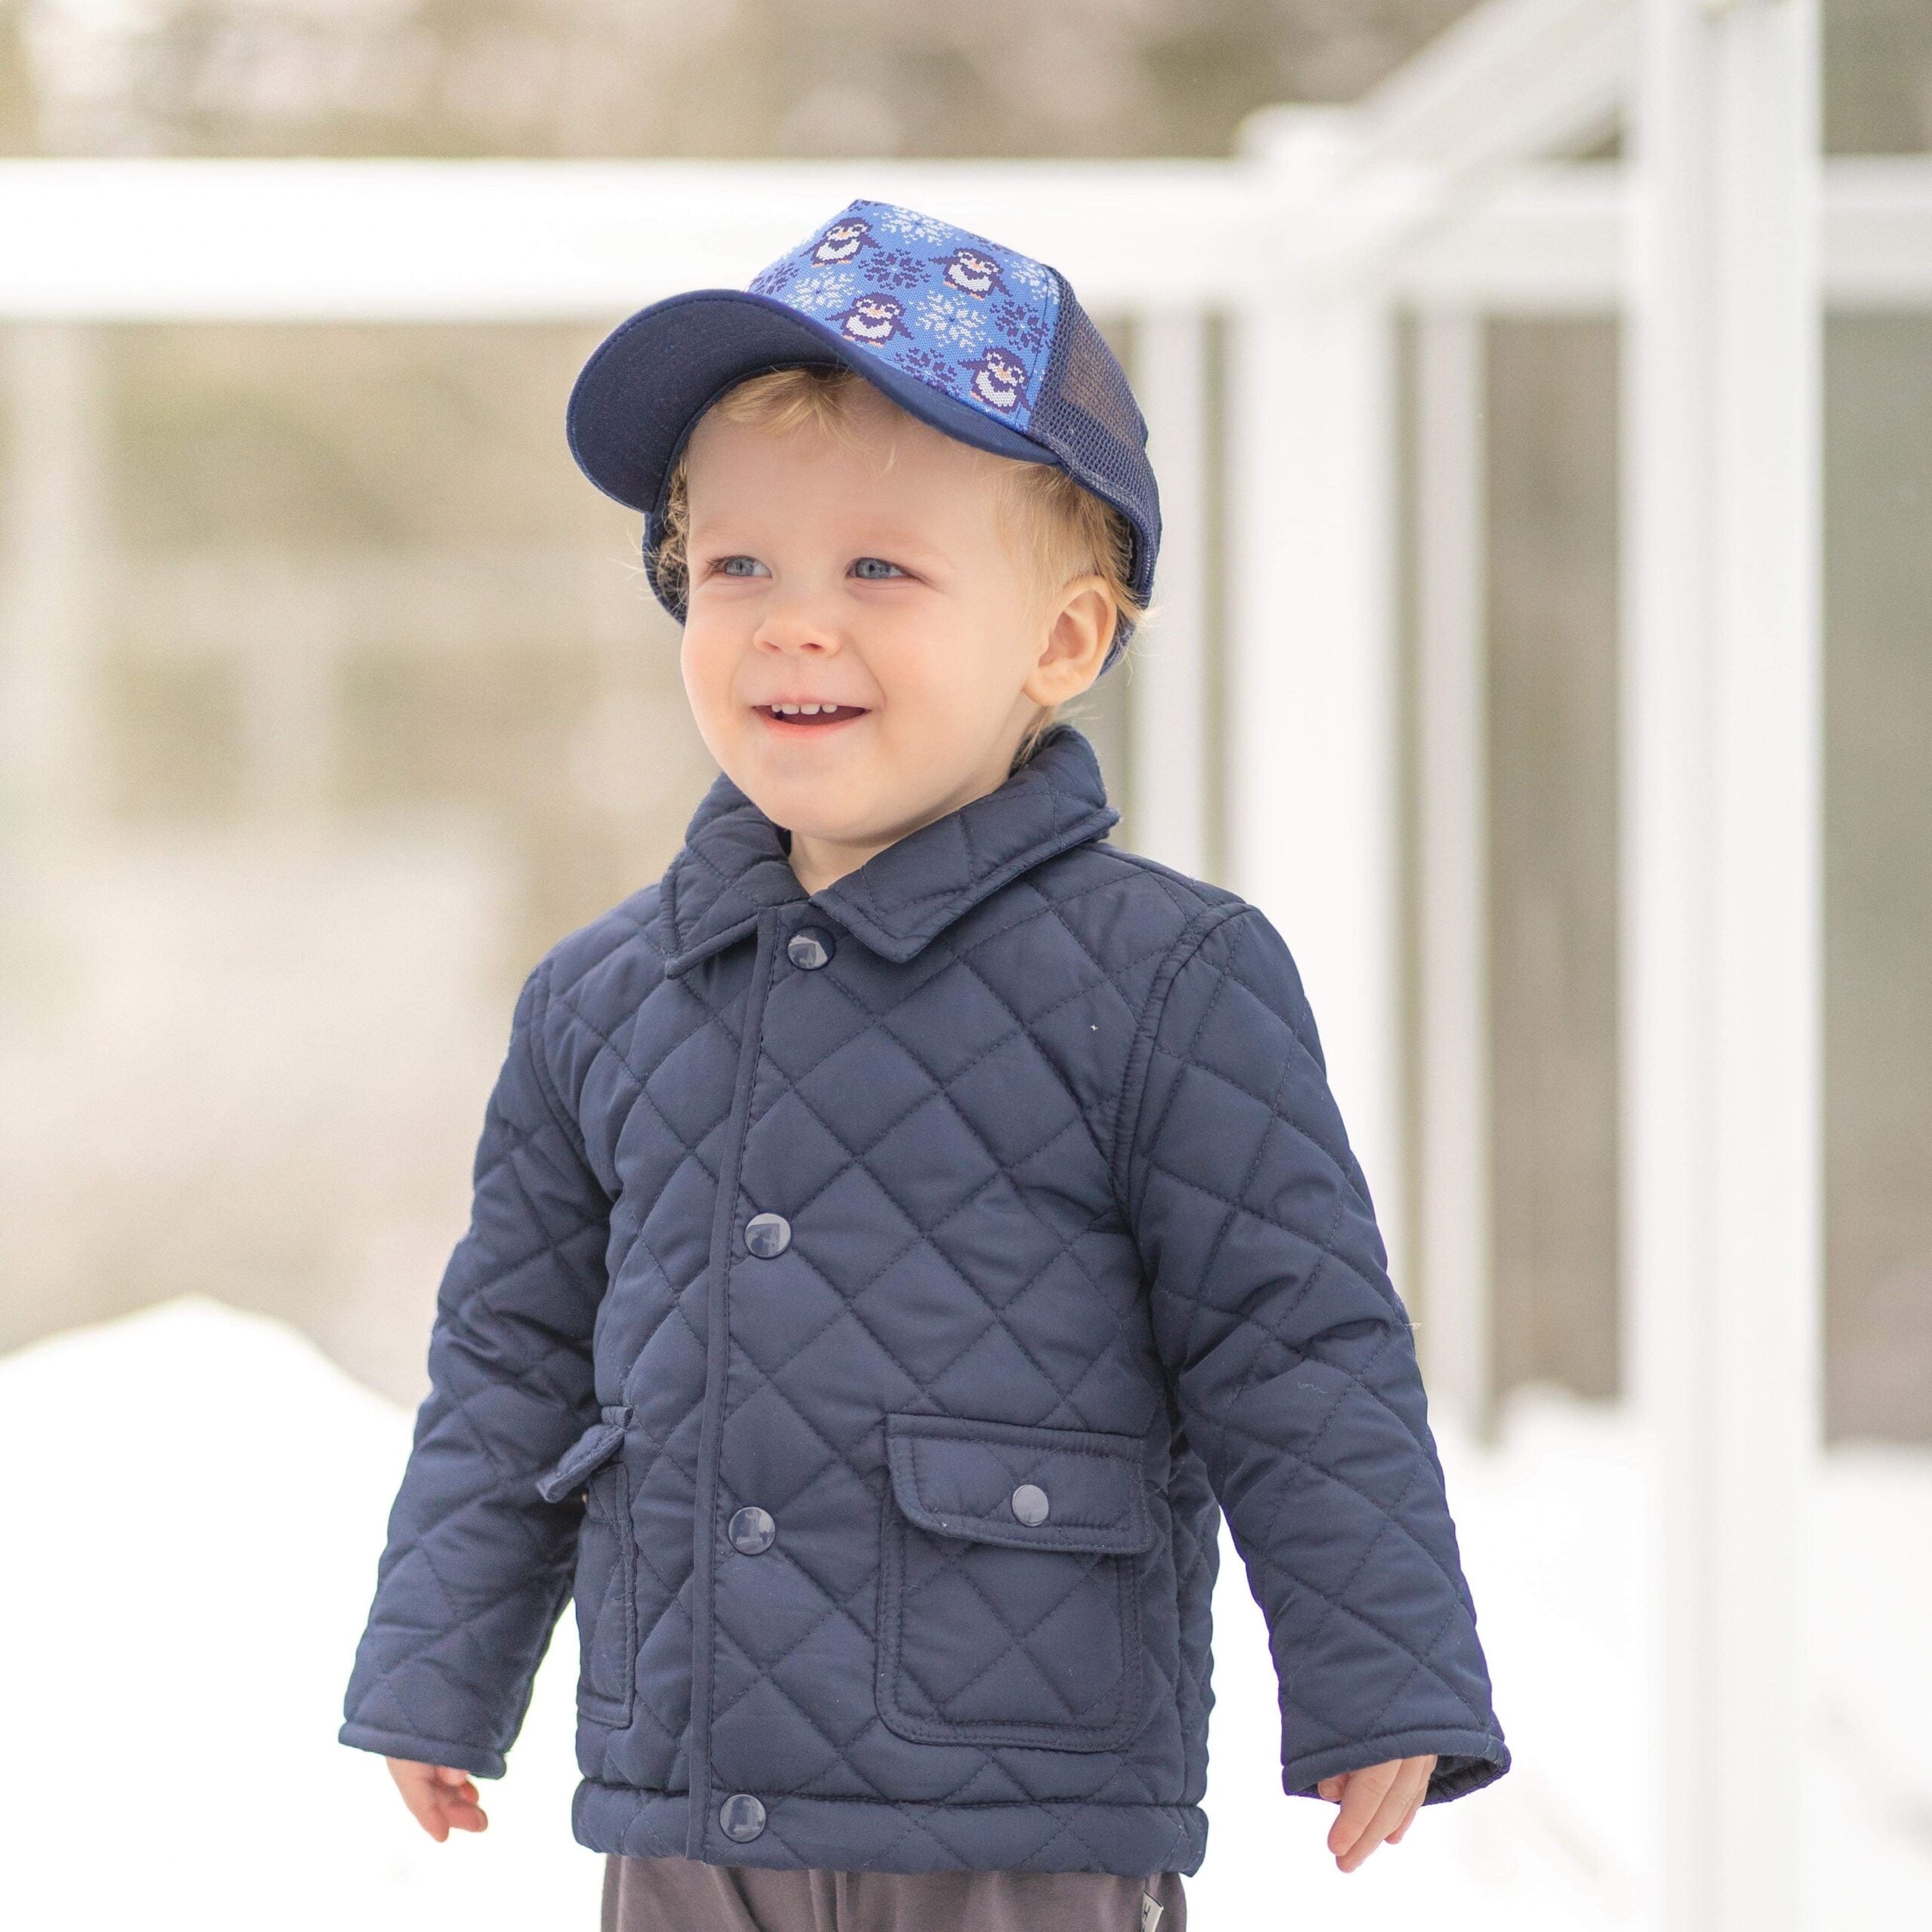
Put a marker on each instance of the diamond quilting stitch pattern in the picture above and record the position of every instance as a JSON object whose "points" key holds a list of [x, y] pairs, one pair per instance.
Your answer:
{"points": [[1051, 1133]]}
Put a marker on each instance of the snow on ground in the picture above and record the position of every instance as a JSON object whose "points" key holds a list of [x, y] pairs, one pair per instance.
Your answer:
{"points": [[200, 1496]]}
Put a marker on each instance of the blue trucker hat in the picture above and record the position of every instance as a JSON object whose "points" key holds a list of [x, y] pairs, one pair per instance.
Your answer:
{"points": [[981, 342]]}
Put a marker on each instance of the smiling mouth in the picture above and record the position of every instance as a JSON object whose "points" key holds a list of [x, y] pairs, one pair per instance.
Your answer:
{"points": [[798, 718]]}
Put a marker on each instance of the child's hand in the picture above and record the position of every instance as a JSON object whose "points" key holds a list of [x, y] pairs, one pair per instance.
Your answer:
{"points": [[1377, 1802], [439, 1796]]}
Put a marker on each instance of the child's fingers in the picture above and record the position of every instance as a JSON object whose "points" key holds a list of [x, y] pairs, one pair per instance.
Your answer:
{"points": [[1365, 1795], [439, 1814], [455, 1796], [1385, 1817], [1426, 1767], [427, 1810], [1415, 1805], [1379, 1800], [440, 1797]]}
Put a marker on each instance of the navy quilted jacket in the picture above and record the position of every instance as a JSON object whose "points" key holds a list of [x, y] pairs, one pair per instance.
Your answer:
{"points": [[868, 1300]]}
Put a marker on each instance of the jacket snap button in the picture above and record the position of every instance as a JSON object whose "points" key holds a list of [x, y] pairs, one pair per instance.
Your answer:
{"points": [[809, 947], [752, 1530], [742, 1816], [767, 1235], [1029, 1503]]}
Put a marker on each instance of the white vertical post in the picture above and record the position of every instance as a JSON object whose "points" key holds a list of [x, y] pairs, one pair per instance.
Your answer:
{"points": [[1722, 897], [1452, 833], [1311, 685], [1167, 663], [50, 570]]}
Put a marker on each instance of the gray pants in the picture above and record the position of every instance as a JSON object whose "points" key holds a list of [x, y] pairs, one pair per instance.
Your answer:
{"points": [[679, 1895]]}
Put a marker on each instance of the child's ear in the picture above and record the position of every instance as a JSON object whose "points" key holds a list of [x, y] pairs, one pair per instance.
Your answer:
{"points": [[1080, 630]]}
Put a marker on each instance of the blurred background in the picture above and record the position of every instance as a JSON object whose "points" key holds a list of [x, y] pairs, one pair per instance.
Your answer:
{"points": [[331, 695]]}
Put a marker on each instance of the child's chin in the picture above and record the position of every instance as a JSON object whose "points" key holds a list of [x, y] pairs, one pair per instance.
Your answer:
{"points": [[818, 802], [812, 772]]}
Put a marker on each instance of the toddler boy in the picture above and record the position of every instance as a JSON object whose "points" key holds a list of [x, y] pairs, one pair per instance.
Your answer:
{"points": [[900, 1231]]}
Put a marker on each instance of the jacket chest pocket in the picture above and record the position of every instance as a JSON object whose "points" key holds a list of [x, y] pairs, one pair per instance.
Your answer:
{"points": [[1009, 1609], [592, 1472]]}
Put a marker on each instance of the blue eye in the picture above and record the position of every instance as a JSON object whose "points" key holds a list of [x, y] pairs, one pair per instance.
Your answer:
{"points": [[730, 566], [875, 568]]}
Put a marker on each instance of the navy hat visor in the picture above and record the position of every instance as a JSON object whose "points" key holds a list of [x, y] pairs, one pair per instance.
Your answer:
{"points": [[638, 397]]}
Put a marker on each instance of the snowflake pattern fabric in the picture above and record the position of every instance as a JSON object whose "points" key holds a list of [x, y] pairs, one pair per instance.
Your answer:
{"points": [[952, 310]]}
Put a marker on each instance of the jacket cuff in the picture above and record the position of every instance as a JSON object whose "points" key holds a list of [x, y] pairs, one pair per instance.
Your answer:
{"points": [[478, 1759], [1465, 1761]]}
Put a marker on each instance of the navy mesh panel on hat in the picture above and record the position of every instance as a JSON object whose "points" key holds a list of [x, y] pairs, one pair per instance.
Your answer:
{"points": [[1087, 416]]}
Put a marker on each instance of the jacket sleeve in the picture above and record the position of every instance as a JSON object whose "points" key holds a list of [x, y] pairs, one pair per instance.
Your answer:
{"points": [[478, 1566], [1293, 1363]]}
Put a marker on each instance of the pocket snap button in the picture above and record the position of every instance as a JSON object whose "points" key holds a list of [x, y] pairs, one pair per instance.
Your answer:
{"points": [[752, 1530], [742, 1817], [1030, 1504], [767, 1235]]}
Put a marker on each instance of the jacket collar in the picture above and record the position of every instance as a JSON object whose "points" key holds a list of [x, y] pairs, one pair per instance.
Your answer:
{"points": [[735, 862]]}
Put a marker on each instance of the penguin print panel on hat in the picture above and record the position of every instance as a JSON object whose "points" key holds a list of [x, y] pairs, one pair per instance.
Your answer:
{"points": [[969, 318]]}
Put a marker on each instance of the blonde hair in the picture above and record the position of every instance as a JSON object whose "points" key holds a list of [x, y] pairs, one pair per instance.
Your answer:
{"points": [[1067, 531]]}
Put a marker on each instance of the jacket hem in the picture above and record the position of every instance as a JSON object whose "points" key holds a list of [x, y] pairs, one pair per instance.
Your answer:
{"points": [[1466, 1761], [478, 1759], [870, 1834]]}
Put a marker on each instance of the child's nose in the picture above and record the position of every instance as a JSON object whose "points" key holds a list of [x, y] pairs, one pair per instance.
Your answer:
{"points": [[798, 622]]}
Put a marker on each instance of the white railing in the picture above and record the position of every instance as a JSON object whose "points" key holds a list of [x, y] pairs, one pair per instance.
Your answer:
{"points": [[1436, 196]]}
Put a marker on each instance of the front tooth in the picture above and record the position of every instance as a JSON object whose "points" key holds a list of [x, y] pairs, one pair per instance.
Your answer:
{"points": [[785, 710], [812, 710]]}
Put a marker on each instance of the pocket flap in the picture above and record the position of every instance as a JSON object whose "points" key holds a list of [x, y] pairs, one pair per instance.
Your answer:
{"points": [[959, 1478], [587, 1454]]}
